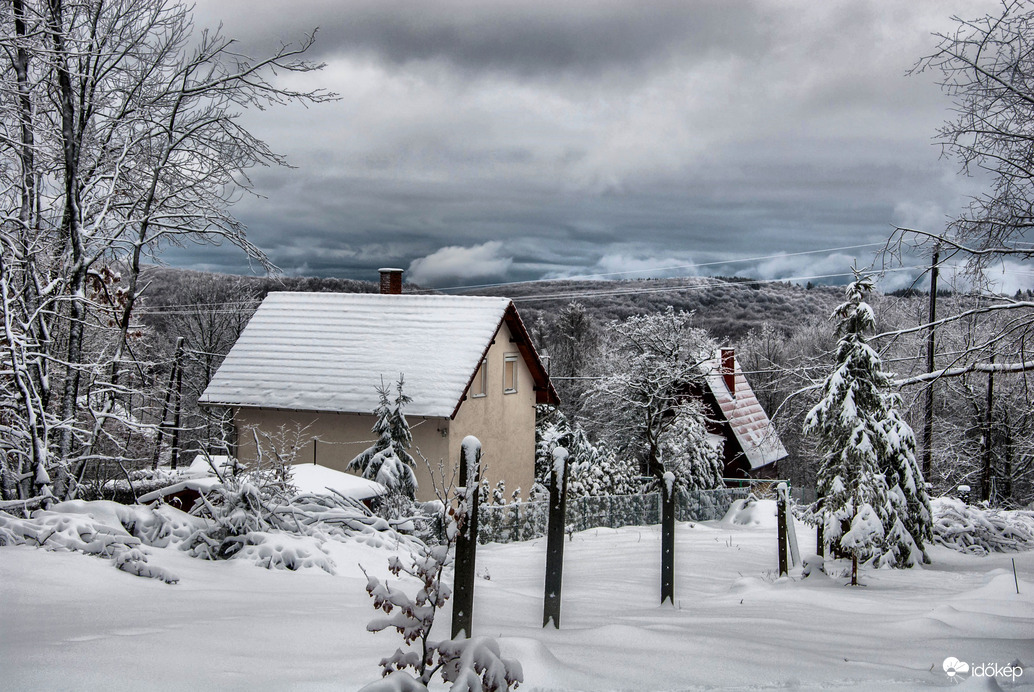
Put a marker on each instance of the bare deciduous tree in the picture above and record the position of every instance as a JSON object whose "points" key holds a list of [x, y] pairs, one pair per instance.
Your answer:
{"points": [[124, 129]]}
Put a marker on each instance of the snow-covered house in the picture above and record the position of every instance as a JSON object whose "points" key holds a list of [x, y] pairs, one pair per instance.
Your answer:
{"points": [[752, 446], [316, 360]]}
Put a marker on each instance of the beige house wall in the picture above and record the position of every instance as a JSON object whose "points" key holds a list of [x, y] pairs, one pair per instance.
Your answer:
{"points": [[504, 423], [334, 439]]}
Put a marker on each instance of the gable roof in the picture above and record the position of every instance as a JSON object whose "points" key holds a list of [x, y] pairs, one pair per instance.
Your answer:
{"points": [[330, 352], [743, 413]]}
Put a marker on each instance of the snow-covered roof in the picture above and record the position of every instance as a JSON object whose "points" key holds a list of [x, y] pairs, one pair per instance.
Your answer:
{"points": [[202, 467], [330, 351], [747, 420], [319, 480], [201, 484]]}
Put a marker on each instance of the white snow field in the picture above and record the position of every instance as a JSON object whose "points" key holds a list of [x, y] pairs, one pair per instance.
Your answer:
{"points": [[73, 622]]}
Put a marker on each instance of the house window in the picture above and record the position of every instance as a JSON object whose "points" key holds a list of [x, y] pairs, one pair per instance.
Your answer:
{"points": [[510, 373], [479, 387]]}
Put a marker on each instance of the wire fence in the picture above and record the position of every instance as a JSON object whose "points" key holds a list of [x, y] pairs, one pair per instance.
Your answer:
{"points": [[522, 521]]}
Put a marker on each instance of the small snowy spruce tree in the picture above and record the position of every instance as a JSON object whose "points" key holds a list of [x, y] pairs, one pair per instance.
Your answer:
{"points": [[860, 512], [471, 665], [388, 461]]}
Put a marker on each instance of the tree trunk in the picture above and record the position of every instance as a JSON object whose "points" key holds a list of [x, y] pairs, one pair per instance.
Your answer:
{"points": [[988, 465]]}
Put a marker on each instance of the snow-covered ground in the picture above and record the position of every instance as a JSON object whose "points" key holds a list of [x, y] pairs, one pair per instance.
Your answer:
{"points": [[73, 622]]}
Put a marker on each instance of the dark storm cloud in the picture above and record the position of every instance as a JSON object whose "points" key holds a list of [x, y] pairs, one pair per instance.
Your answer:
{"points": [[525, 139], [524, 37]]}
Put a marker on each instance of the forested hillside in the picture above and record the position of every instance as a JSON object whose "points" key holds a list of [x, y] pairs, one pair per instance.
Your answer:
{"points": [[728, 308], [782, 335]]}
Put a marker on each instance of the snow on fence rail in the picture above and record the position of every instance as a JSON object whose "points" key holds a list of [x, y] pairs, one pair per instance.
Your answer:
{"points": [[522, 521]]}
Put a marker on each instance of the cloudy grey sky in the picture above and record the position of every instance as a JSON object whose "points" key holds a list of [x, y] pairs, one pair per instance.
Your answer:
{"points": [[487, 141]]}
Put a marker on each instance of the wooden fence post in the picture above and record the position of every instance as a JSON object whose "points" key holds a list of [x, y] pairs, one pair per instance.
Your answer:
{"points": [[555, 538], [467, 540]]}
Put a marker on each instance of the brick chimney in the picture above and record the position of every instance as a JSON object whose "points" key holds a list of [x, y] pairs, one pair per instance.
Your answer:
{"points": [[391, 281], [728, 357]]}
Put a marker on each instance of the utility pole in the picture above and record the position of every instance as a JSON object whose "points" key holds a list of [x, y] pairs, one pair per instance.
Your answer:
{"points": [[928, 403]]}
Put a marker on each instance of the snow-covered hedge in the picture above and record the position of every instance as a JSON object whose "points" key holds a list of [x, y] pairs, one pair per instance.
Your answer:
{"points": [[979, 530]]}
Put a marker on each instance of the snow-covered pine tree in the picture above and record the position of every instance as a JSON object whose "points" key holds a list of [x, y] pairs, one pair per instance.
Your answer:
{"points": [[687, 451], [849, 424], [388, 461], [594, 470], [907, 491]]}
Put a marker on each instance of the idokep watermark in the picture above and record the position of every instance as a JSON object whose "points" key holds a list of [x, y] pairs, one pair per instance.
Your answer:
{"points": [[959, 670]]}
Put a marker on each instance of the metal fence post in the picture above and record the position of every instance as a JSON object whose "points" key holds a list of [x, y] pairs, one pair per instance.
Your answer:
{"points": [[555, 538], [781, 524], [467, 540]]}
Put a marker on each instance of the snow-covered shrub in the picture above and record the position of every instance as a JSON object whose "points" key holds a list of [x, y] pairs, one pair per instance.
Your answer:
{"points": [[814, 568], [688, 451], [234, 523], [278, 550], [101, 528], [472, 665], [980, 530]]}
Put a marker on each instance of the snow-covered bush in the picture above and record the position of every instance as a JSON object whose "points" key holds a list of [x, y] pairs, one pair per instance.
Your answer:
{"points": [[235, 522], [102, 528], [979, 530], [688, 451], [472, 665]]}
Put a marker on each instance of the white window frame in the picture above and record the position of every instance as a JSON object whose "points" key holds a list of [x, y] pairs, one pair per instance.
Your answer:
{"points": [[510, 361], [480, 378]]}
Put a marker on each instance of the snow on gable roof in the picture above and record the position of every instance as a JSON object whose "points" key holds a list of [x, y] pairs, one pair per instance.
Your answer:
{"points": [[747, 420], [330, 351]]}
